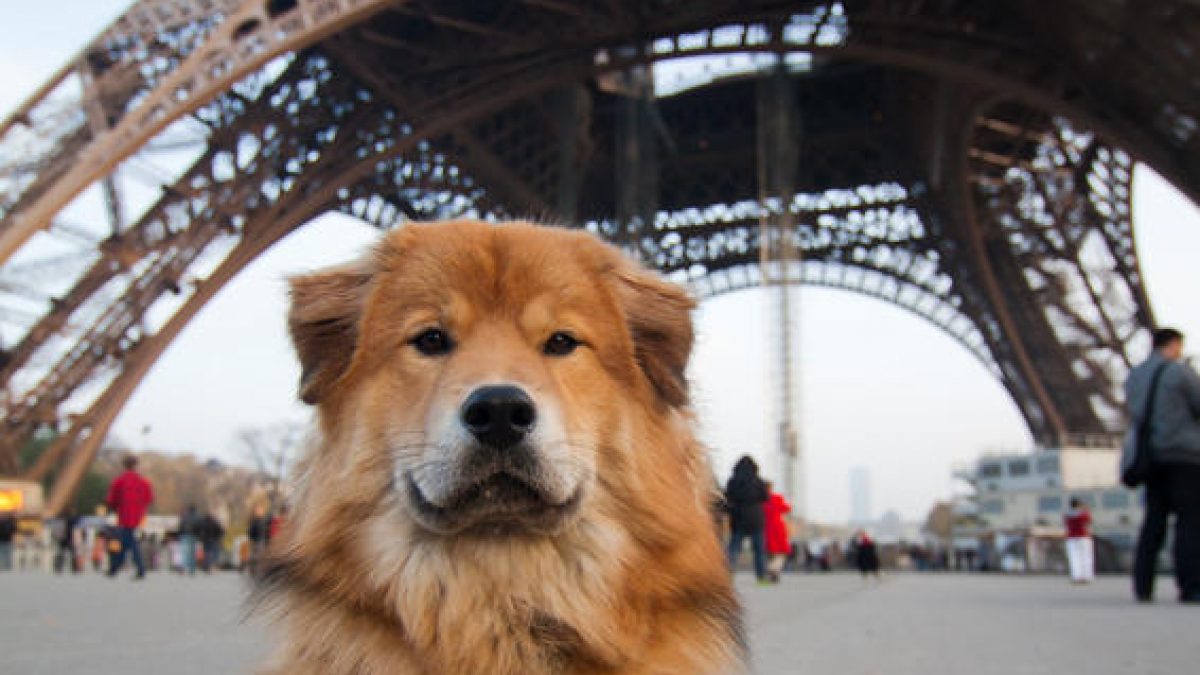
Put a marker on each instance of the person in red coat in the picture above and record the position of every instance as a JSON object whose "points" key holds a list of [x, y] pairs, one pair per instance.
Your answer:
{"points": [[776, 531], [1080, 556], [129, 496], [866, 554]]}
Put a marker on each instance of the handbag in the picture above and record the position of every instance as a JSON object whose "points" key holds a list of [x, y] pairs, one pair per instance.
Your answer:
{"points": [[1135, 468]]}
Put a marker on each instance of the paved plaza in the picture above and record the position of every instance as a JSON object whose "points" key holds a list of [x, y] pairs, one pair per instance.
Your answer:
{"points": [[836, 624]]}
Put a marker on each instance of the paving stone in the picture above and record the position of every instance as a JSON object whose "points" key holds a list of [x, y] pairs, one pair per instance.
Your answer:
{"points": [[820, 624]]}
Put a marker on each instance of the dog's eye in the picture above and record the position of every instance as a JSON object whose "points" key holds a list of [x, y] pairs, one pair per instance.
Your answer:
{"points": [[433, 342], [560, 344]]}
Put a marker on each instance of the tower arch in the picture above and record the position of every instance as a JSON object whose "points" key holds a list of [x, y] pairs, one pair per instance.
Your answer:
{"points": [[997, 127]]}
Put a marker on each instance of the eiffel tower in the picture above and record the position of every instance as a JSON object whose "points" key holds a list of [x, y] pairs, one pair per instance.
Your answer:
{"points": [[968, 161]]}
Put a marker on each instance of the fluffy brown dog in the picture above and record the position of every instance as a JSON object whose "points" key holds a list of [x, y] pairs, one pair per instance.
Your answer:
{"points": [[505, 479]]}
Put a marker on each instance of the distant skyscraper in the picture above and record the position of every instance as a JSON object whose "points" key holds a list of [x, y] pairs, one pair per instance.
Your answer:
{"points": [[860, 495]]}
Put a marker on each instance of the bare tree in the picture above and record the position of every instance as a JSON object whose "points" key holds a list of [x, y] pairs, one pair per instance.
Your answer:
{"points": [[272, 451]]}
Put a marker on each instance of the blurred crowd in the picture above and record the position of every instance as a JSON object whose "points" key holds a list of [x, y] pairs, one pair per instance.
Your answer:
{"points": [[194, 540]]}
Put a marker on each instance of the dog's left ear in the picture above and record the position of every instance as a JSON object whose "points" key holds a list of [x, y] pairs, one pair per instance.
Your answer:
{"points": [[660, 322], [326, 309]]}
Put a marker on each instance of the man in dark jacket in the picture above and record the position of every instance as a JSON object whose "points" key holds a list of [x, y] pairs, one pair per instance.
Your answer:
{"points": [[259, 534], [1174, 482], [67, 556], [745, 495], [209, 531]]}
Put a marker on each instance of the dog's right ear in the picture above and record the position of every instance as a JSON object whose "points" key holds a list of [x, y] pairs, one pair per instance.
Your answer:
{"points": [[327, 307], [659, 317]]}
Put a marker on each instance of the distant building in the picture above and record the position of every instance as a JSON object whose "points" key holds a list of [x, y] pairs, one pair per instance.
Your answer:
{"points": [[1013, 517], [860, 496], [891, 528]]}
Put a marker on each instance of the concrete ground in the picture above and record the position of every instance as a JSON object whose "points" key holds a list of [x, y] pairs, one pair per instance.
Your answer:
{"points": [[905, 625], [981, 625]]}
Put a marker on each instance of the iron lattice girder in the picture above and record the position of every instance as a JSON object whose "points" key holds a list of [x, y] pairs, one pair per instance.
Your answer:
{"points": [[863, 147], [1056, 206], [852, 133], [266, 161], [459, 121], [871, 241], [498, 148], [985, 43]]}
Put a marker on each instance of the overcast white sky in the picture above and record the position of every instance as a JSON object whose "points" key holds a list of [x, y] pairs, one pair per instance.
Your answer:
{"points": [[881, 388]]}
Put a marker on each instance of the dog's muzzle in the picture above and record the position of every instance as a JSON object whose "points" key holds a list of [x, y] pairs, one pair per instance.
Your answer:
{"points": [[500, 483]]}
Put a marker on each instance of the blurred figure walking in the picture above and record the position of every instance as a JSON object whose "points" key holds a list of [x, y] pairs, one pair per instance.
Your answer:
{"points": [[259, 534], [866, 554], [130, 495], [775, 529], [210, 532], [189, 520], [277, 522], [1081, 559], [67, 556], [745, 494], [8, 530]]}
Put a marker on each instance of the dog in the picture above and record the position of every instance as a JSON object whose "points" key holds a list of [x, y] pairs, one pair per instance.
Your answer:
{"points": [[503, 477]]}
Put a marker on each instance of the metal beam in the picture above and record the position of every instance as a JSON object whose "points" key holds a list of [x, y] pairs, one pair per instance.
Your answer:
{"points": [[478, 157], [197, 80], [463, 97], [573, 108], [778, 149], [636, 154]]}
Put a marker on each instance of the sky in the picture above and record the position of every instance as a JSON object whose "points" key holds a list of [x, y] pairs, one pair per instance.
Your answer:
{"points": [[880, 388]]}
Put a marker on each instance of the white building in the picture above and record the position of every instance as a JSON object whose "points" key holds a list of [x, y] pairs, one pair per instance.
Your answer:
{"points": [[860, 496], [892, 529], [1017, 494]]}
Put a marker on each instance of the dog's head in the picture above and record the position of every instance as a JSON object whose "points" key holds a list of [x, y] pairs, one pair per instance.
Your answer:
{"points": [[489, 371]]}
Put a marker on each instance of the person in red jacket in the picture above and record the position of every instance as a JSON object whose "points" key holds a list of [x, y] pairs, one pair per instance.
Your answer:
{"points": [[1080, 557], [130, 496], [277, 522], [776, 531]]}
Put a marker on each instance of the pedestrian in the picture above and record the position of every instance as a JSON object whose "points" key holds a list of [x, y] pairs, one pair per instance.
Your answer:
{"points": [[775, 531], [745, 494], [147, 548], [172, 552], [243, 554], [866, 554], [258, 531], [209, 531], [188, 521], [66, 541], [113, 546], [8, 529], [99, 547], [1173, 483], [277, 522], [130, 496], [1080, 556]]}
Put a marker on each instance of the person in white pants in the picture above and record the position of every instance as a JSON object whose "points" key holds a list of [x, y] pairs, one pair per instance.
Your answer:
{"points": [[1080, 555]]}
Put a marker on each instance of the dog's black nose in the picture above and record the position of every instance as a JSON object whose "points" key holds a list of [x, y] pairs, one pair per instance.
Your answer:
{"points": [[499, 416]]}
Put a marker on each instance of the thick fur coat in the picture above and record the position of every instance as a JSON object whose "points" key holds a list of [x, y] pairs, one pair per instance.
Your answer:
{"points": [[603, 559]]}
